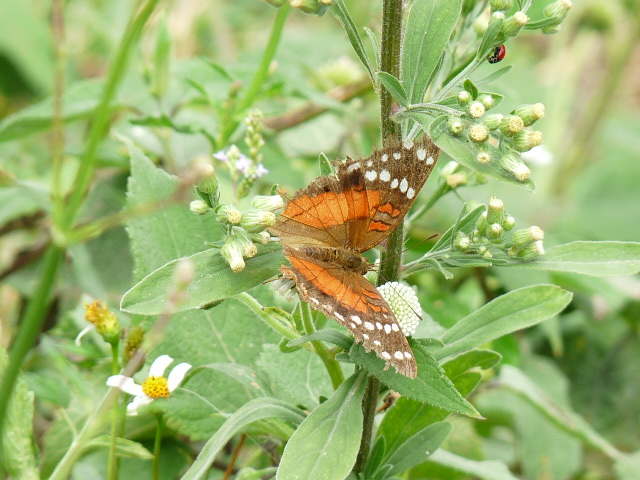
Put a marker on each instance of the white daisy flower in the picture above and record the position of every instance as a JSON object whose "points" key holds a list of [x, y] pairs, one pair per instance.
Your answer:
{"points": [[155, 386]]}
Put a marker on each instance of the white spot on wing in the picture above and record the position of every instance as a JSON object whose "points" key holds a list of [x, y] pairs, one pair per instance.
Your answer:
{"points": [[385, 355], [408, 144], [339, 317], [408, 355], [430, 161], [379, 325], [371, 175], [369, 325], [394, 183], [385, 176], [356, 319], [365, 336], [384, 157], [397, 155], [395, 327], [369, 163], [404, 185], [353, 167], [398, 355], [411, 193], [387, 329], [421, 153]]}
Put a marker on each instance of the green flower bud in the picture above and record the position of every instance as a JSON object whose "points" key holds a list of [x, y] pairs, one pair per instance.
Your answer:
{"points": [[486, 100], [254, 220], [530, 113], [511, 125], [478, 133], [486, 253], [557, 10], [508, 223], [455, 125], [106, 323], [483, 250], [483, 157], [461, 242], [457, 179], [228, 214], [133, 342], [501, 4], [529, 252], [199, 207], [249, 250], [511, 162], [494, 233], [464, 98], [481, 24], [481, 226], [527, 236], [514, 24], [495, 211], [271, 203], [526, 139], [232, 251], [262, 238], [496, 16], [493, 120], [476, 109], [551, 29], [309, 6]]}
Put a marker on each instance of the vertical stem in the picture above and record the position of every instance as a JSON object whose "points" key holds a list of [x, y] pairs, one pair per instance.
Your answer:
{"points": [[157, 444], [112, 467], [390, 261]]}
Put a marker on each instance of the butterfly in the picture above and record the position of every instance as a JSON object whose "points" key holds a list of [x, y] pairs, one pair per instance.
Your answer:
{"points": [[325, 228]]}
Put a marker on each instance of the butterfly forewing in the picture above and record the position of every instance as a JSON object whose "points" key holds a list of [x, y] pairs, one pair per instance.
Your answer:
{"points": [[326, 226]]}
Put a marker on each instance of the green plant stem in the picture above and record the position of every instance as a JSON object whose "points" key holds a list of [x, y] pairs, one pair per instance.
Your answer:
{"points": [[329, 360], [259, 77], [31, 324], [64, 219], [157, 444], [391, 258], [269, 319], [112, 469]]}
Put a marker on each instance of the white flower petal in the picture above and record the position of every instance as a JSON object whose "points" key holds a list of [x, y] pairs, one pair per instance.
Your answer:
{"points": [[137, 403], [84, 331], [159, 365], [177, 375], [126, 384]]}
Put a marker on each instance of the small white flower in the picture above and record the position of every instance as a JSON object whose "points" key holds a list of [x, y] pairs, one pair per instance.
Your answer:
{"points": [[538, 156], [155, 386], [405, 305]]}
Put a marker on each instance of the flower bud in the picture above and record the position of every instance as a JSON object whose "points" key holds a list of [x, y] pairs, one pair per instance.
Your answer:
{"points": [[457, 179], [481, 24], [496, 16], [232, 251], [514, 24], [511, 162], [227, 213], [199, 207], [262, 238], [487, 254], [106, 323], [455, 125], [495, 211], [526, 139], [494, 233], [476, 109], [464, 98], [254, 220], [483, 157], [527, 236], [530, 113], [478, 133], [557, 10], [551, 29], [486, 100], [249, 250], [511, 125], [133, 342], [461, 242], [501, 4], [529, 252], [271, 203], [481, 226], [508, 223], [493, 120]]}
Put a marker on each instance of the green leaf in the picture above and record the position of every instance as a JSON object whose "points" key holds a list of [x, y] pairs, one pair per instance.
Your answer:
{"points": [[213, 281], [494, 75], [487, 470], [628, 466], [79, 102], [124, 447], [329, 335], [429, 28], [326, 167], [394, 87], [169, 233], [466, 225], [326, 444], [258, 409], [18, 454], [600, 259], [508, 313], [431, 385], [419, 447], [21, 199], [339, 10]]}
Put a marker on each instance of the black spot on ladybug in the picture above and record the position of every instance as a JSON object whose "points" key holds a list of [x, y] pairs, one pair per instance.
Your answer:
{"points": [[497, 54]]}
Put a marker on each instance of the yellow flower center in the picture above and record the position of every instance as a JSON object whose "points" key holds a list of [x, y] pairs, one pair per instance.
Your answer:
{"points": [[156, 387]]}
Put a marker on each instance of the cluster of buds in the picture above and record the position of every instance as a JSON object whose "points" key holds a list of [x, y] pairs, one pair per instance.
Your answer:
{"points": [[495, 137], [103, 321], [244, 169], [315, 7], [404, 304], [489, 233], [246, 229]]}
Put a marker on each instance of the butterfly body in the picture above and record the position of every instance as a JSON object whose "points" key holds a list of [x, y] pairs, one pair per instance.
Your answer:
{"points": [[326, 226]]}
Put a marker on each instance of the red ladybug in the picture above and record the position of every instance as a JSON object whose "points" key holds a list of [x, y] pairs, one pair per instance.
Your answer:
{"points": [[497, 54]]}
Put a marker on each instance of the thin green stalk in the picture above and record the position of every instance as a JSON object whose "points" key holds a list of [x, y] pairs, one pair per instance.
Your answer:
{"points": [[391, 258], [157, 444], [269, 319], [260, 75], [65, 219], [112, 468], [31, 324], [329, 360]]}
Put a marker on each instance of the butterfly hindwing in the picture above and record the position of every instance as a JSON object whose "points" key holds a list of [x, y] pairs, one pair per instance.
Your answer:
{"points": [[354, 302]]}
